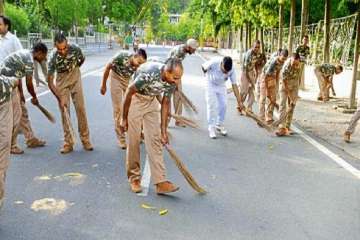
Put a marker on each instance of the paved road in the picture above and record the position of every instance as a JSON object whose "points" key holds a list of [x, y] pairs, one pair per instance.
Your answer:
{"points": [[260, 187]]}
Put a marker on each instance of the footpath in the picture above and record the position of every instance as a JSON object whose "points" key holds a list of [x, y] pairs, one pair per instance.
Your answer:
{"points": [[323, 120]]}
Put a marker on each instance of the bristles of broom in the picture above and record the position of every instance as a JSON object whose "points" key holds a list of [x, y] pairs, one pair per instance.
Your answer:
{"points": [[186, 101], [47, 114], [258, 120], [282, 118], [186, 121], [68, 122], [189, 178]]}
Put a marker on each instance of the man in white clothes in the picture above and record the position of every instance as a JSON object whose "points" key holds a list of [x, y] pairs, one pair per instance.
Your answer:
{"points": [[217, 71]]}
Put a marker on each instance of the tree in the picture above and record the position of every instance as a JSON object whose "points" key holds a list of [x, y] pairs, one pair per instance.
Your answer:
{"points": [[292, 25], [19, 18], [2, 3], [304, 16], [327, 17], [281, 23]]}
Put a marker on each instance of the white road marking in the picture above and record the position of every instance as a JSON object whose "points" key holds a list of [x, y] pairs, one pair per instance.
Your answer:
{"points": [[336, 158], [85, 75], [145, 179], [333, 156]]}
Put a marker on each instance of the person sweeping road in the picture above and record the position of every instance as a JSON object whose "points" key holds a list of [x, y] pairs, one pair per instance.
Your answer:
{"points": [[217, 72], [65, 61], [121, 67], [141, 108]]}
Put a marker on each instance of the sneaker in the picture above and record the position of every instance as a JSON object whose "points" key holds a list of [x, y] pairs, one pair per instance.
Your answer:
{"points": [[35, 142], [122, 143], [221, 129], [16, 150], [347, 137], [87, 146], [212, 133], [136, 186], [66, 149], [166, 187]]}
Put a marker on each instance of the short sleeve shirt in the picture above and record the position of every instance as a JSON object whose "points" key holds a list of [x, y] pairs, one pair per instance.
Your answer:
{"points": [[9, 44], [61, 64], [327, 69], [120, 64], [178, 52], [250, 60], [303, 51], [18, 64], [148, 81], [7, 84], [215, 75], [290, 74], [272, 67]]}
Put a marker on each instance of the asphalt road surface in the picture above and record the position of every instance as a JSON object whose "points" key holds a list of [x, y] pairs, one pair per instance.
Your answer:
{"points": [[259, 186]]}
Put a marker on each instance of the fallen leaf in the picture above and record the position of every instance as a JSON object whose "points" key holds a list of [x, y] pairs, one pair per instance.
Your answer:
{"points": [[146, 206], [163, 212], [271, 147], [43, 178]]}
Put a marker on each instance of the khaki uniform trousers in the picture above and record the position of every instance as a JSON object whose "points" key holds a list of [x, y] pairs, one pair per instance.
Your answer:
{"points": [[144, 111], [323, 85], [17, 115], [24, 127], [177, 101], [69, 86], [247, 88], [287, 98], [267, 93], [302, 76], [6, 126], [118, 85], [354, 120]]}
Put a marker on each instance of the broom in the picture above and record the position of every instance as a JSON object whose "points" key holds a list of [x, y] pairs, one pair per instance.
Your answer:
{"points": [[47, 114], [189, 178], [186, 101], [183, 120], [282, 118], [68, 122], [258, 120]]}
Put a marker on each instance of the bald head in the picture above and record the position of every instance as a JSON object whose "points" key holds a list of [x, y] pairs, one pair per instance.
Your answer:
{"points": [[173, 71]]}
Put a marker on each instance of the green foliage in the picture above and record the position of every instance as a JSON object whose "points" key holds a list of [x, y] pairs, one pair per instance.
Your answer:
{"points": [[19, 18]]}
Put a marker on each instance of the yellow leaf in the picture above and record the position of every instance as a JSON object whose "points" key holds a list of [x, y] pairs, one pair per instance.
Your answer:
{"points": [[147, 206], [163, 212]]}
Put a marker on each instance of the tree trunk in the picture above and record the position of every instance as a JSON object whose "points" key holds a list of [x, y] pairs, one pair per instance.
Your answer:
{"points": [[292, 26], [257, 33], [246, 36], [304, 17], [262, 40], [241, 44], [326, 50], [2, 7], [356, 61], [250, 38], [281, 23], [272, 49]]}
